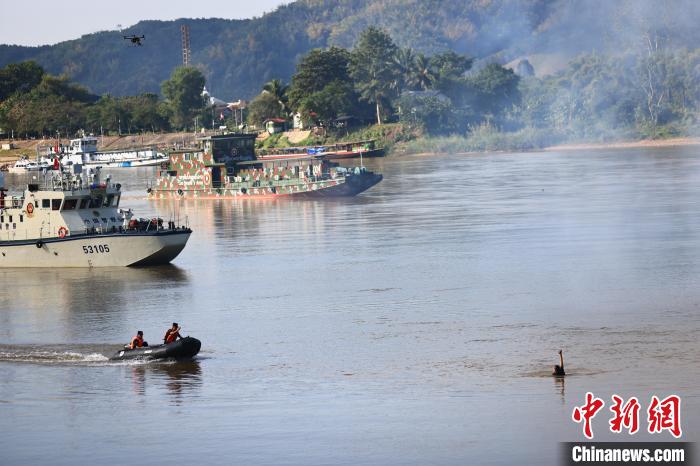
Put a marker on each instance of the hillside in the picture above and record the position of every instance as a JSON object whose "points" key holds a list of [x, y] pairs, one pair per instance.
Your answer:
{"points": [[237, 56]]}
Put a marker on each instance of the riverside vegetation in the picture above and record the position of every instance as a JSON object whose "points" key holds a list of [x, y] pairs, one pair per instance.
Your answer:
{"points": [[409, 101]]}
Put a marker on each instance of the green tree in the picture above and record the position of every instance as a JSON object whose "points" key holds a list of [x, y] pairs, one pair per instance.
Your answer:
{"points": [[496, 90], [316, 70], [54, 104], [278, 90], [450, 64], [337, 98], [183, 92], [423, 75], [372, 67], [19, 77], [145, 113], [405, 62], [264, 106]]}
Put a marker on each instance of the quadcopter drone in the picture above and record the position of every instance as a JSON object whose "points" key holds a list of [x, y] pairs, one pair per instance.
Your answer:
{"points": [[136, 40]]}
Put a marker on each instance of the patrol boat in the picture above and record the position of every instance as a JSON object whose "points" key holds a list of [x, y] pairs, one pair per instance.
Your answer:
{"points": [[75, 221]]}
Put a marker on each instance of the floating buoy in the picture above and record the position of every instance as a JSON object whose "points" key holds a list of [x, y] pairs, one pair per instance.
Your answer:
{"points": [[62, 232]]}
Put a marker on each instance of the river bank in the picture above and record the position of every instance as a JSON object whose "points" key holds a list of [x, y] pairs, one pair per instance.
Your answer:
{"points": [[397, 139], [28, 147]]}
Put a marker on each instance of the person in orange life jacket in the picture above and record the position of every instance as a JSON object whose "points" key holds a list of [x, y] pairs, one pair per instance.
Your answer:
{"points": [[172, 334], [137, 341]]}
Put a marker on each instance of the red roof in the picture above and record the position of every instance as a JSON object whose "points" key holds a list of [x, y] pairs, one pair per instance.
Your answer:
{"points": [[276, 120]]}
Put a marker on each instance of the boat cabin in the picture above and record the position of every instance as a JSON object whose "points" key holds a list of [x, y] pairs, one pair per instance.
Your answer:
{"points": [[227, 148], [86, 145], [69, 206]]}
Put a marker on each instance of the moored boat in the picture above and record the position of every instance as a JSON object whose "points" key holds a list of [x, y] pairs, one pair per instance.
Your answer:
{"points": [[185, 348], [342, 150], [24, 165], [83, 151], [226, 167]]}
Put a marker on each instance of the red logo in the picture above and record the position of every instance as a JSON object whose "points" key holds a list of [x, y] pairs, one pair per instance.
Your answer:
{"points": [[661, 415], [626, 416], [587, 412], [665, 415]]}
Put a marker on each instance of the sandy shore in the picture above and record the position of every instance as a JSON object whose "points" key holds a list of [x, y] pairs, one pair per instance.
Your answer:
{"points": [[163, 141], [628, 144]]}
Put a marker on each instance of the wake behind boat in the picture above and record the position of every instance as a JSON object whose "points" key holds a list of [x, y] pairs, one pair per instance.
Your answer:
{"points": [[185, 348]]}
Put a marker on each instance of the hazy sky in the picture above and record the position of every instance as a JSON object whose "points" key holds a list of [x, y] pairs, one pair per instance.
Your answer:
{"points": [[38, 22]]}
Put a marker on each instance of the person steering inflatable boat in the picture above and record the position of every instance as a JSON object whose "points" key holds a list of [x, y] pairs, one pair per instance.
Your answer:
{"points": [[172, 334], [175, 346]]}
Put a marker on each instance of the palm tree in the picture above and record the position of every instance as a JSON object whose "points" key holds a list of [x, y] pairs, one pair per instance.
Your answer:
{"points": [[423, 75], [405, 62], [278, 90]]}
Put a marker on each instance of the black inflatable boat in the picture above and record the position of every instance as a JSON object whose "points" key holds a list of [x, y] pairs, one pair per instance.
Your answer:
{"points": [[183, 348]]}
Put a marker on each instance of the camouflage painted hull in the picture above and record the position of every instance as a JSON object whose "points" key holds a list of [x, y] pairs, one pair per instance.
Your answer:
{"points": [[346, 186]]}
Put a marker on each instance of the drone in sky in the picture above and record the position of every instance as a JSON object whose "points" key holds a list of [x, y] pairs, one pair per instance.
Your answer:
{"points": [[135, 40]]}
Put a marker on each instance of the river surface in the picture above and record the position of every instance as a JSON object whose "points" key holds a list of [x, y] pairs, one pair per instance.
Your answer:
{"points": [[414, 324]]}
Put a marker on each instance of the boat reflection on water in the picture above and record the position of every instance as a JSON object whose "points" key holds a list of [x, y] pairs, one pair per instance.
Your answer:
{"points": [[181, 378], [78, 300]]}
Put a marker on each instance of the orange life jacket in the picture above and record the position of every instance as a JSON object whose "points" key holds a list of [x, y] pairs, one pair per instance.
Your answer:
{"points": [[171, 336], [137, 342]]}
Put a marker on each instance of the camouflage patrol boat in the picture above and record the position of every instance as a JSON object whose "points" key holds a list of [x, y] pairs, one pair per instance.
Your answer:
{"points": [[75, 221], [225, 166]]}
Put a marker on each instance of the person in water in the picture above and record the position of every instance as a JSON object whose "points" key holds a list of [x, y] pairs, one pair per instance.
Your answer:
{"points": [[172, 334], [559, 370], [137, 341]]}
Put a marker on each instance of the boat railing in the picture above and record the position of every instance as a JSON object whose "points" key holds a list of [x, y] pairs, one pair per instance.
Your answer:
{"points": [[13, 202], [150, 227]]}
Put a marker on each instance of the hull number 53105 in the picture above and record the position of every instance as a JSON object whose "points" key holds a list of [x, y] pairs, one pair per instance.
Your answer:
{"points": [[96, 249]]}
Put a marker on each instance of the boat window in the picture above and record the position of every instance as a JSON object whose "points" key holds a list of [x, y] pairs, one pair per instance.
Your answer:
{"points": [[109, 200], [84, 203], [95, 220], [36, 204], [45, 203], [96, 202], [21, 218], [10, 219], [14, 226], [70, 204], [55, 204], [119, 197], [113, 219], [104, 219]]}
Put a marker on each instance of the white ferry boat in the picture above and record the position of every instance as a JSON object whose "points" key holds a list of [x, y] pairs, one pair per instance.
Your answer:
{"points": [[84, 151], [24, 165], [75, 221]]}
